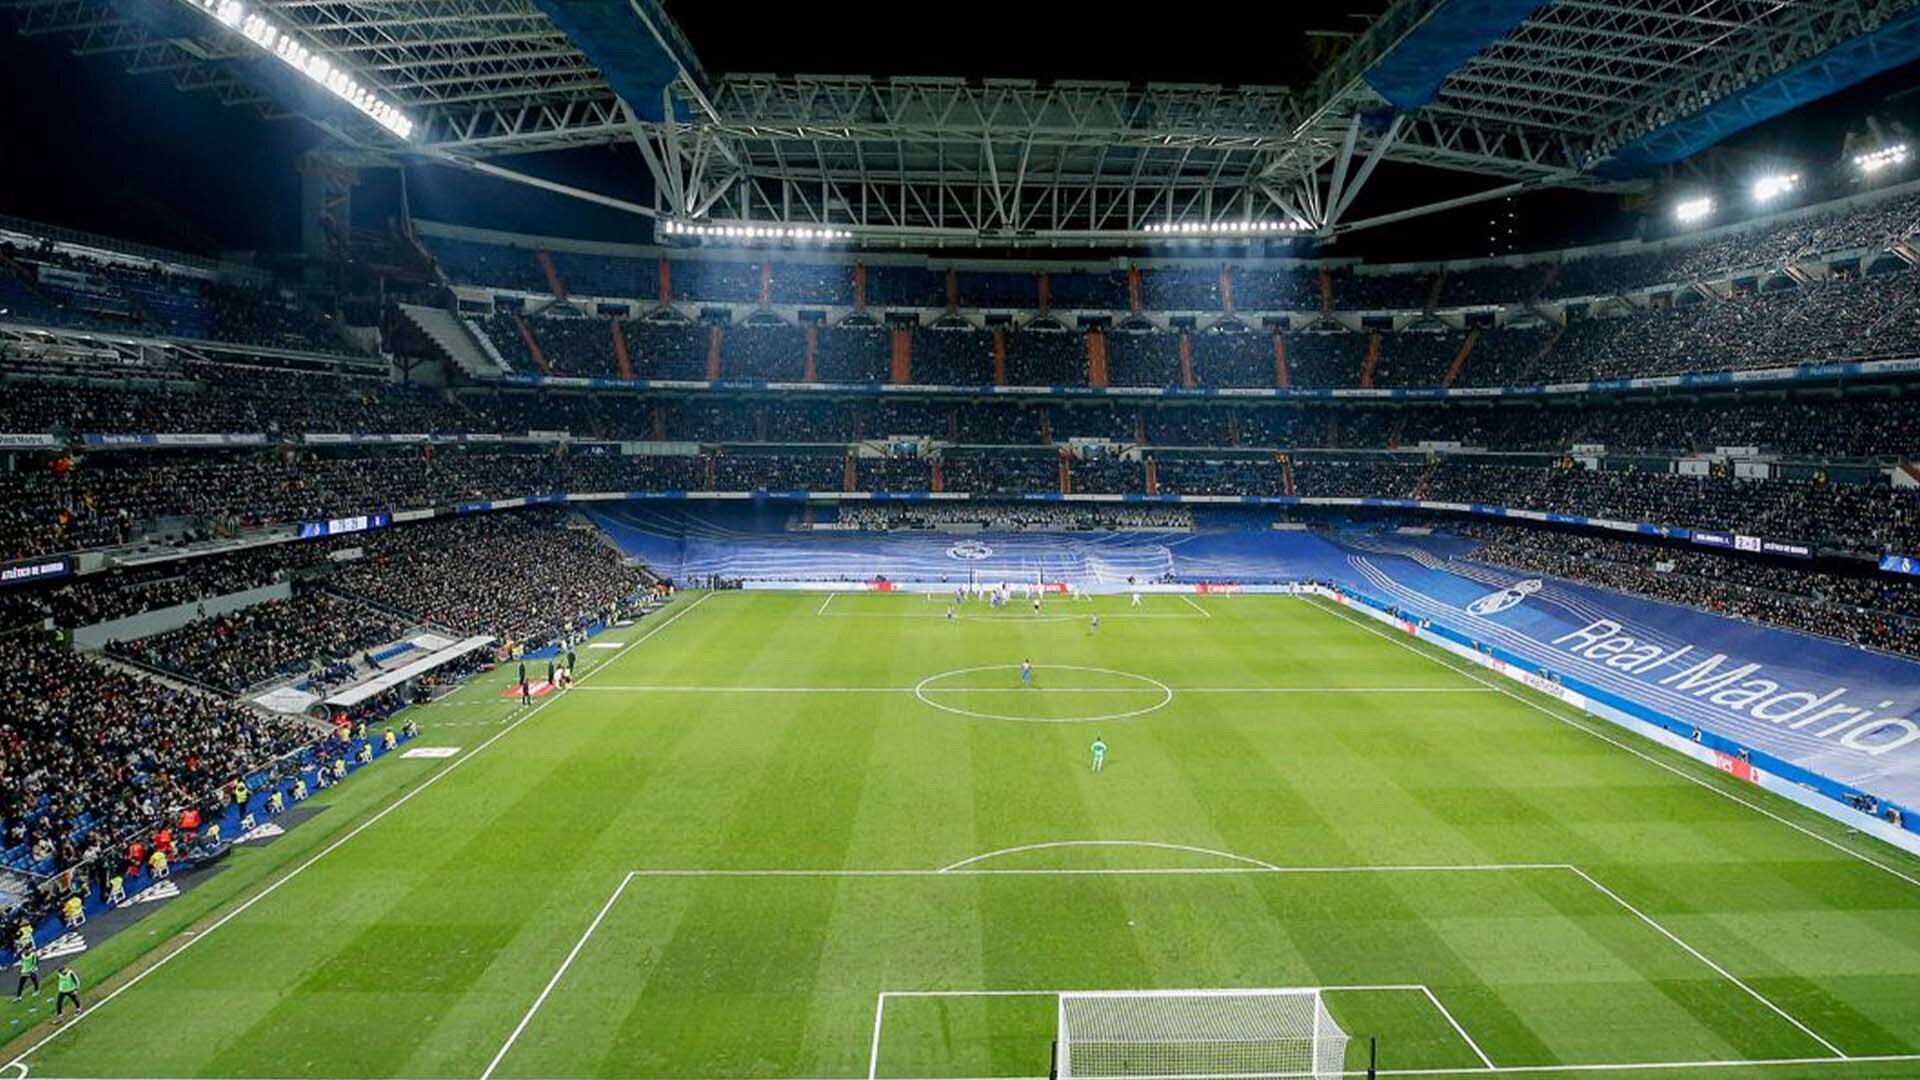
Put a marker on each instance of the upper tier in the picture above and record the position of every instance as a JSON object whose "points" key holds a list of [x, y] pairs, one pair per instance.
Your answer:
{"points": [[1808, 239]]}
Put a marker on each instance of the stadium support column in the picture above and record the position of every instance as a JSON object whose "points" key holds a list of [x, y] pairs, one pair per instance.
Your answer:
{"points": [[622, 359], [1133, 289], [1153, 477], [1281, 377], [326, 210], [939, 480], [552, 273], [659, 422], [1326, 291], [1226, 289], [1372, 361], [1046, 292], [1066, 471], [953, 290], [533, 347], [712, 469], [812, 372], [1097, 359], [902, 372], [714, 335], [1186, 359], [1460, 357], [666, 282], [999, 356], [766, 282], [1233, 427], [850, 479], [859, 286]]}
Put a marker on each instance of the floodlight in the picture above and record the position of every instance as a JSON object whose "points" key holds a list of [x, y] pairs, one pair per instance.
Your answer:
{"points": [[1693, 210], [1768, 188], [1887, 157], [267, 34]]}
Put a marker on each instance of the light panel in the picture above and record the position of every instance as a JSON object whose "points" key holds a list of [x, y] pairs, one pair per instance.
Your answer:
{"points": [[268, 35], [1692, 210]]}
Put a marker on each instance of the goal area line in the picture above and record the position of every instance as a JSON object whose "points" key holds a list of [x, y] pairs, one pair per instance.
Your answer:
{"points": [[880, 1008], [1249, 866]]}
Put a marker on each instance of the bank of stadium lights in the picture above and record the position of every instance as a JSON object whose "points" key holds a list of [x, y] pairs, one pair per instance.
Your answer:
{"points": [[802, 233], [1226, 229], [262, 31], [1887, 157], [1691, 210], [1768, 188]]}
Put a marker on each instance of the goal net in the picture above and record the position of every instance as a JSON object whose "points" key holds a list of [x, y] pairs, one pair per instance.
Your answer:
{"points": [[1146, 1034]]}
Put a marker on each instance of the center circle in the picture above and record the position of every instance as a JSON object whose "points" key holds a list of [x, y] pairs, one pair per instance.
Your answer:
{"points": [[1129, 685]]}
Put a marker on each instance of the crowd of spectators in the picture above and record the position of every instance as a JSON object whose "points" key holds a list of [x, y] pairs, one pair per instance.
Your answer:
{"points": [[50, 284], [114, 499], [854, 353], [1046, 356], [524, 577], [1014, 517], [277, 639], [90, 752], [1844, 316], [61, 501], [1219, 476], [1881, 612]]}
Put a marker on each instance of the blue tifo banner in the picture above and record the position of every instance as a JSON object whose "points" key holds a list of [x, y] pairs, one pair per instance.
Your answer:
{"points": [[1841, 712]]}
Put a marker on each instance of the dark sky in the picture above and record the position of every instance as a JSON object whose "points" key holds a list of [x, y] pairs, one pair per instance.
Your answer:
{"points": [[129, 156]]}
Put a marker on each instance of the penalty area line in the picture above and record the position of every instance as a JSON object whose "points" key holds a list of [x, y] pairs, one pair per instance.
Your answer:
{"points": [[547, 990]]}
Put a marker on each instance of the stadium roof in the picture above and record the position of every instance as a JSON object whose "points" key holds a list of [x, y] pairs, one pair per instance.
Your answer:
{"points": [[1525, 93]]}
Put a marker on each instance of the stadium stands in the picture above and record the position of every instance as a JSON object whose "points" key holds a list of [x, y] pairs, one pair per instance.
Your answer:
{"points": [[1880, 612], [266, 641]]}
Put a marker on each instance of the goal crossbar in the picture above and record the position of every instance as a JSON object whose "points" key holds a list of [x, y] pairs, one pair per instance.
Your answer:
{"points": [[1198, 1035]]}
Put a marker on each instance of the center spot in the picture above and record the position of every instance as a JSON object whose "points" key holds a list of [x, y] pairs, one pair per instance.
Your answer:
{"points": [[1058, 694]]}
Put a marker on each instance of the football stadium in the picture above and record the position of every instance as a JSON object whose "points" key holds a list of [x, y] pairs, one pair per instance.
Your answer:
{"points": [[1282, 542]]}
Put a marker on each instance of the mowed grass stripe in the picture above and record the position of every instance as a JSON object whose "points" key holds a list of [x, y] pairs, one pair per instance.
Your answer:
{"points": [[712, 977]]}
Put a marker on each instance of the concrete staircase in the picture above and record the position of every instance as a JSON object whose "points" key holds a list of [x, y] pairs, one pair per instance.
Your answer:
{"points": [[459, 345]]}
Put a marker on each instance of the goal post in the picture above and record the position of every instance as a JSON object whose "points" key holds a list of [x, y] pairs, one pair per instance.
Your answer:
{"points": [[1198, 1034]]}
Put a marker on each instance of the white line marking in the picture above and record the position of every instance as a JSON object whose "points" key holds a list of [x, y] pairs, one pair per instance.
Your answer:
{"points": [[873, 1056], [1108, 843], [1702, 957], [1582, 726], [699, 689], [331, 848], [1636, 1066], [1644, 917], [880, 1005], [1444, 1011], [1465, 1070], [1194, 605], [555, 981], [1025, 616], [667, 872], [824, 603], [1159, 991]]}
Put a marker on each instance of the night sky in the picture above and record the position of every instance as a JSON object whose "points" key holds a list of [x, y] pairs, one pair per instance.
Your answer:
{"points": [[128, 156]]}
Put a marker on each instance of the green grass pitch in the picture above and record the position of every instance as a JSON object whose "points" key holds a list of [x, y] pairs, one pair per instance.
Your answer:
{"points": [[787, 835]]}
